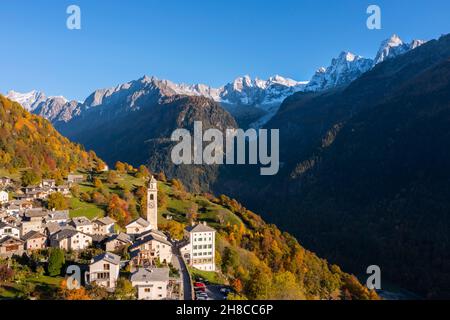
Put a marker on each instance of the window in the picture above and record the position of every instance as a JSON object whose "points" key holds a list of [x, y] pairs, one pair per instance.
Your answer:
{"points": [[152, 197], [106, 266], [147, 290]]}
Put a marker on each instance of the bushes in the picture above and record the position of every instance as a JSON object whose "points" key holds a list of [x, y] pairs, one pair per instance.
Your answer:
{"points": [[55, 262]]}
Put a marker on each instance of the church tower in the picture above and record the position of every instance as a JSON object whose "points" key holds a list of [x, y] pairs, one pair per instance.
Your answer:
{"points": [[152, 203]]}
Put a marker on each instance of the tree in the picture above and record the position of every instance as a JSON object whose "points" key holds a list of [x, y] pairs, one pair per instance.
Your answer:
{"points": [[192, 213], [143, 172], [30, 177], [6, 273], [55, 262], [74, 294], [121, 167], [75, 190], [161, 177], [98, 183], [57, 201], [118, 210], [124, 290], [112, 177]]}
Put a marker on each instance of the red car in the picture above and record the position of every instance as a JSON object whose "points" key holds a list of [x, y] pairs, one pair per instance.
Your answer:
{"points": [[199, 286]]}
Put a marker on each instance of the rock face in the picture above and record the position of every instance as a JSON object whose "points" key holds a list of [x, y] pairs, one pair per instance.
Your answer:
{"points": [[342, 71]]}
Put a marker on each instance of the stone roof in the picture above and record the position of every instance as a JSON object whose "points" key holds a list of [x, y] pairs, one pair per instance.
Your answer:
{"points": [[3, 225], [141, 222], [8, 238], [65, 234], [59, 215], [81, 221], [33, 235], [108, 256], [149, 237], [121, 237], [36, 213], [199, 228], [154, 274], [105, 221]]}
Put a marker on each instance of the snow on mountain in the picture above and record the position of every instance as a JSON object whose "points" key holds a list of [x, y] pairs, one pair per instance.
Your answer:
{"points": [[393, 47], [48, 107], [244, 97], [343, 70], [348, 67]]}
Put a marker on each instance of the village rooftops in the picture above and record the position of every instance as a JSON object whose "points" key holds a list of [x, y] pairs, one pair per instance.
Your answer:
{"points": [[81, 221], [10, 238], [148, 275], [199, 228], [108, 257], [5, 225]]}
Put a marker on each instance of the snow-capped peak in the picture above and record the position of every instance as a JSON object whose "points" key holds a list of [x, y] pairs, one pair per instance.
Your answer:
{"points": [[393, 47], [29, 100]]}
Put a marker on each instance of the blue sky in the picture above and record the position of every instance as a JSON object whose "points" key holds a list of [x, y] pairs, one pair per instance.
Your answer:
{"points": [[193, 41]]}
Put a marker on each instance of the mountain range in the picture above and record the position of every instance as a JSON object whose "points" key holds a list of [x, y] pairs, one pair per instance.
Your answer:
{"points": [[252, 102]]}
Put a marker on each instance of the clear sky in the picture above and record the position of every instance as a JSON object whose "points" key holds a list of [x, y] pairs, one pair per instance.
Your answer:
{"points": [[193, 41]]}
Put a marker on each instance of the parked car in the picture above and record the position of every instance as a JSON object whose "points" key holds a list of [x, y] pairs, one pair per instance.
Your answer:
{"points": [[199, 285], [200, 289], [201, 296]]}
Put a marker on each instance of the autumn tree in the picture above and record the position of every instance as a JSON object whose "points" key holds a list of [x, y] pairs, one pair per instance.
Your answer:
{"points": [[121, 167], [30, 178], [161, 177], [57, 201], [192, 214], [112, 177], [118, 210], [143, 172]]}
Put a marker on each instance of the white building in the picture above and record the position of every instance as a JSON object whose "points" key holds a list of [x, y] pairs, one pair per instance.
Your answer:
{"points": [[151, 284], [138, 226], [82, 224], [149, 247], [4, 197], [104, 270], [8, 230], [70, 239], [103, 226], [200, 252]]}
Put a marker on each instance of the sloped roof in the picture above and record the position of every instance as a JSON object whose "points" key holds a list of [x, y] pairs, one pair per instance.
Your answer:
{"points": [[33, 235], [108, 256], [199, 228], [105, 221], [154, 274], [140, 221], [121, 237], [81, 221]]}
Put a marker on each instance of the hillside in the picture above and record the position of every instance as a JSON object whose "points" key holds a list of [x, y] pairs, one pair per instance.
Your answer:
{"points": [[364, 178], [29, 141], [255, 258]]}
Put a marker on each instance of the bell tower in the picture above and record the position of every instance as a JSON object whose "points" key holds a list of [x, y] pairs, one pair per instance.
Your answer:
{"points": [[152, 203]]}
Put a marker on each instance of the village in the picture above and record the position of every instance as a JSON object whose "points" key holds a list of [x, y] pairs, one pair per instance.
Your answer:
{"points": [[158, 265]]}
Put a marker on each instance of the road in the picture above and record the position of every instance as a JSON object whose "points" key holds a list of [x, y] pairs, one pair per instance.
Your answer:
{"points": [[178, 263]]}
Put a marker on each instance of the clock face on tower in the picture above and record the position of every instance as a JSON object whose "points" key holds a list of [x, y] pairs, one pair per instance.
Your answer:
{"points": [[151, 205]]}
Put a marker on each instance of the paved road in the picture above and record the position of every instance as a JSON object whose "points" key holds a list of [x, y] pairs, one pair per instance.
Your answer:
{"points": [[214, 293], [178, 263]]}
